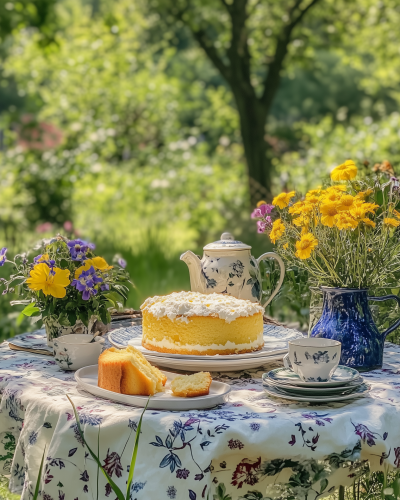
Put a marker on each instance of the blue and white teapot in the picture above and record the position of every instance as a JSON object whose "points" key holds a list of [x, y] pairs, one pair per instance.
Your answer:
{"points": [[228, 267]]}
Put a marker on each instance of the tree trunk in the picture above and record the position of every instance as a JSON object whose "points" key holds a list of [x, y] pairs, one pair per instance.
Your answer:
{"points": [[252, 124]]}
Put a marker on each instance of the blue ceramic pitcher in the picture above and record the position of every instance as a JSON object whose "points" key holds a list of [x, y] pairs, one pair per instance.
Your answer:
{"points": [[346, 317]]}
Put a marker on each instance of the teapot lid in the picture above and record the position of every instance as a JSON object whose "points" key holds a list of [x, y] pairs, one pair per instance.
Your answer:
{"points": [[227, 241]]}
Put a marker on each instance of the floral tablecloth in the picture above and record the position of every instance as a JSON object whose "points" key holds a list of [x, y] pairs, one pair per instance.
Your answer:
{"points": [[252, 447]]}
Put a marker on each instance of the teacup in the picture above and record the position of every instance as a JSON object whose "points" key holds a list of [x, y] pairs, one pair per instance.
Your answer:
{"points": [[313, 359], [75, 351]]}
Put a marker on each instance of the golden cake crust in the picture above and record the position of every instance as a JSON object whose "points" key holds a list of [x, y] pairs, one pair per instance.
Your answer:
{"points": [[126, 371], [202, 335]]}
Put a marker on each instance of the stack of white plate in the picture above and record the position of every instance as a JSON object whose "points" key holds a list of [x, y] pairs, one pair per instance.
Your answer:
{"points": [[276, 340], [346, 383]]}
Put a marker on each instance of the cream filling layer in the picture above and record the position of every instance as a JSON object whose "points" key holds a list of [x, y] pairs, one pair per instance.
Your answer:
{"points": [[167, 344]]}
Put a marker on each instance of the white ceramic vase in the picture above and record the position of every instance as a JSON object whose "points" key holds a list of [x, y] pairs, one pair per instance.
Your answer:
{"points": [[55, 330]]}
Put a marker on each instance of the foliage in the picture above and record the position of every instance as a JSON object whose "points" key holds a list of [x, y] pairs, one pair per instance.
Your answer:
{"points": [[344, 235], [67, 282]]}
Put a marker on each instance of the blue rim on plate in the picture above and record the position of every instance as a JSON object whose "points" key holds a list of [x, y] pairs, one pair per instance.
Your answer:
{"points": [[312, 391], [360, 391], [342, 375], [275, 337]]}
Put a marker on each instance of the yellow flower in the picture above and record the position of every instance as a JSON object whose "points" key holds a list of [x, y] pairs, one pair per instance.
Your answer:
{"points": [[282, 200], [345, 221], [338, 188], [300, 207], [358, 211], [51, 282], [391, 222], [302, 220], [346, 202], [278, 228], [262, 202], [344, 172], [370, 207], [305, 246], [97, 262], [369, 222], [314, 192], [396, 213], [286, 246], [331, 196], [328, 211], [312, 199], [45, 257], [364, 194]]}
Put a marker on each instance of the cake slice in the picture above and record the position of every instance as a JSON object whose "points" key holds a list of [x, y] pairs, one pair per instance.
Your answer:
{"points": [[190, 386], [127, 371]]}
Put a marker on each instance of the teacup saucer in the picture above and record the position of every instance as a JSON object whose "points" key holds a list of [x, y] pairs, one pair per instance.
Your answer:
{"points": [[313, 391], [361, 390], [343, 375]]}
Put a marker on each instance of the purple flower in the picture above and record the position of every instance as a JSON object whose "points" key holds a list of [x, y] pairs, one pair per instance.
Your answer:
{"points": [[79, 248], [86, 283], [261, 211], [112, 463], [182, 473], [365, 434], [105, 287], [3, 252], [122, 263]]}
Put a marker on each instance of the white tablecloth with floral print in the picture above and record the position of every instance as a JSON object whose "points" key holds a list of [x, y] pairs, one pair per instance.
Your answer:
{"points": [[252, 447]]}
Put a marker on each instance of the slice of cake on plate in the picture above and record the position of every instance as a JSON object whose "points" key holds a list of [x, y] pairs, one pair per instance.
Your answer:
{"points": [[127, 371], [201, 324]]}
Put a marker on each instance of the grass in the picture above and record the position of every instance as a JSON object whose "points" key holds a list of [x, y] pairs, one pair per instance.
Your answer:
{"points": [[5, 492]]}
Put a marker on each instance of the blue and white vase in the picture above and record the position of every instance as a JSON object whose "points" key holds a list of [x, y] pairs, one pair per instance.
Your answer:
{"points": [[346, 317]]}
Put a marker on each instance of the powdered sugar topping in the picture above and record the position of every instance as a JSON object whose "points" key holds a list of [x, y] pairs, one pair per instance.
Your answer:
{"points": [[181, 305]]}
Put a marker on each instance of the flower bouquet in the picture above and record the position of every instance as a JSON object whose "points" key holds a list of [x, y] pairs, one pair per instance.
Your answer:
{"points": [[67, 286], [346, 237]]}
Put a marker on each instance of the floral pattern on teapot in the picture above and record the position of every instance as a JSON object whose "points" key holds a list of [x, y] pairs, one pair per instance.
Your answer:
{"points": [[228, 267]]}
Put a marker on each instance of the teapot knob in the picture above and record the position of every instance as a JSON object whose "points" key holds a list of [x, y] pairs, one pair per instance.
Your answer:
{"points": [[227, 236]]}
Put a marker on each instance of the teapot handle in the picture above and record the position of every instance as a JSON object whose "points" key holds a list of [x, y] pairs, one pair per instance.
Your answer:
{"points": [[276, 257], [396, 324]]}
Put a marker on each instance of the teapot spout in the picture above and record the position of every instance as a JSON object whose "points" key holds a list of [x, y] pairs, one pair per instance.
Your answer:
{"points": [[194, 265]]}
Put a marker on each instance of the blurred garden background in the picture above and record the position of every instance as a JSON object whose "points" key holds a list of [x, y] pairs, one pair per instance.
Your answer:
{"points": [[150, 127]]}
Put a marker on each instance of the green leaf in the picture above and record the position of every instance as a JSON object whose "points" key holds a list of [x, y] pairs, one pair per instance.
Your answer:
{"points": [[134, 454], [115, 488], [36, 494], [324, 484], [63, 319], [71, 317], [31, 310], [70, 305]]}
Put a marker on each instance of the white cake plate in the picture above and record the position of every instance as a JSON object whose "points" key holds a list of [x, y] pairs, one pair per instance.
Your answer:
{"points": [[212, 365], [87, 380]]}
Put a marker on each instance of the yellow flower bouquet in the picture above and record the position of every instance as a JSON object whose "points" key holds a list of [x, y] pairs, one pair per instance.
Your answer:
{"points": [[345, 234]]}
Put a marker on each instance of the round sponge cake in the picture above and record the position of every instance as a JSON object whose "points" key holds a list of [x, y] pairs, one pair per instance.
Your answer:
{"points": [[200, 324]]}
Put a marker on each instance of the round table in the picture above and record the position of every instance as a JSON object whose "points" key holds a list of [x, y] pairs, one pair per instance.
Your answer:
{"points": [[252, 447]]}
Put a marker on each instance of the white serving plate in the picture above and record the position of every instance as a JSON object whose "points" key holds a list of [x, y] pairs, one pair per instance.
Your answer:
{"points": [[313, 391], [212, 365], [87, 380], [360, 391], [267, 350], [342, 376]]}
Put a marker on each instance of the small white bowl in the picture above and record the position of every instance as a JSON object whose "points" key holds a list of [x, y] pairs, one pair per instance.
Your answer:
{"points": [[75, 351]]}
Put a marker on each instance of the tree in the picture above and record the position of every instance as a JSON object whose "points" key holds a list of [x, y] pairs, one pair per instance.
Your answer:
{"points": [[253, 78]]}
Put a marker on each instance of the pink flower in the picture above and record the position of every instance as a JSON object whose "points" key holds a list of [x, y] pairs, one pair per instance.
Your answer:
{"points": [[261, 226], [68, 226], [44, 228], [261, 211]]}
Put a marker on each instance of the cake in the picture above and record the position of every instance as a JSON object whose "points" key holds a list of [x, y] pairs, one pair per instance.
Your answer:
{"points": [[127, 371], [200, 324], [190, 386]]}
